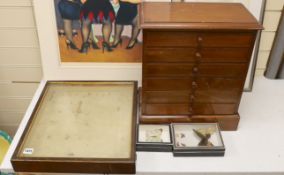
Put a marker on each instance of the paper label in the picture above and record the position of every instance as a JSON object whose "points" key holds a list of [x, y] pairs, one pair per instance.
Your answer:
{"points": [[28, 151]]}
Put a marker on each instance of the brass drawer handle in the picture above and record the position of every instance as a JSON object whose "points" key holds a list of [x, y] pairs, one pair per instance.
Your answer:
{"points": [[194, 84], [192, 98], [199, 39], [198, 55], [195, 69]]}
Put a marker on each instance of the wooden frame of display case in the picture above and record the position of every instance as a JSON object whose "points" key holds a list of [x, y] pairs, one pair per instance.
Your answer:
{"points": [[77, 165]]}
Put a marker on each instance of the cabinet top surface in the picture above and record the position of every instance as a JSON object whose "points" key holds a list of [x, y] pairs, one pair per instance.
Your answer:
{"points": [[196, 16]]}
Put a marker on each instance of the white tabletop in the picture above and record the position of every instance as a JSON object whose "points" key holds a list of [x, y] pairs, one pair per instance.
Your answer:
{"points": [[257, 146]]}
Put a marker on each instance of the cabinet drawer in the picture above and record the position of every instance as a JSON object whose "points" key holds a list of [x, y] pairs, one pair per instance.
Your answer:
{"points": [[169, 55], [169, 39], [237, 54], [166, 109], [212, 96], [166, 84], [166, 97], [226, 39], [226, 54], [193, 38], [214, 108], [189, 69], [187, 84], [189, 109]]}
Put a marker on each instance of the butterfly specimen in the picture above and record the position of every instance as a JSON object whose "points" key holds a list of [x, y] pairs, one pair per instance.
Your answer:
{"points": [[154, 135], [204, 134], [180, 139]]}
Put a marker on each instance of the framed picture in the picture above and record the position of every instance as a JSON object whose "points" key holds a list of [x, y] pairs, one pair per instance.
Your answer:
{"points": [[60, 62], [80, 127], [154, 137], [98, 31], [197, 139]]}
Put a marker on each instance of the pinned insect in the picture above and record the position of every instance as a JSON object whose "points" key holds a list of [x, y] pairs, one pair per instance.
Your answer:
{"points": [[180, 139], [154, 135], [204, 135]]}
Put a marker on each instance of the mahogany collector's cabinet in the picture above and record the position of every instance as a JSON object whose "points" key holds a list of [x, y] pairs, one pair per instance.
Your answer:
{"points": [[195, 60]]}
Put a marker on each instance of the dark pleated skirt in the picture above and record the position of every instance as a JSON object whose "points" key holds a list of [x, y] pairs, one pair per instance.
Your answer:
{"points": [[69, 10], [98, 11], [126, 13]]}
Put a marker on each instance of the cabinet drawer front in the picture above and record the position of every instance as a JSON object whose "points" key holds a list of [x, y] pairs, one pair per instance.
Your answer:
{"points": [[169, 55], [167, 84], [241, 54], [166, 97], [237, 54], [226, 39], [218, 84], [187, 84], [214, 108], [217, 96], [170, 97], [169, 39], [187, 69], [188, 109], [193, 39], [166, 109]]}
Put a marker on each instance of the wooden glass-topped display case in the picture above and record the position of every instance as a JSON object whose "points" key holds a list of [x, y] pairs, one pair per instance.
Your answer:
{"points": [[83, 127]]}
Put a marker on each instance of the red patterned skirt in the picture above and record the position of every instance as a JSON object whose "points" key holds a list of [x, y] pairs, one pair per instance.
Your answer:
{"points": [[97, 11]]}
